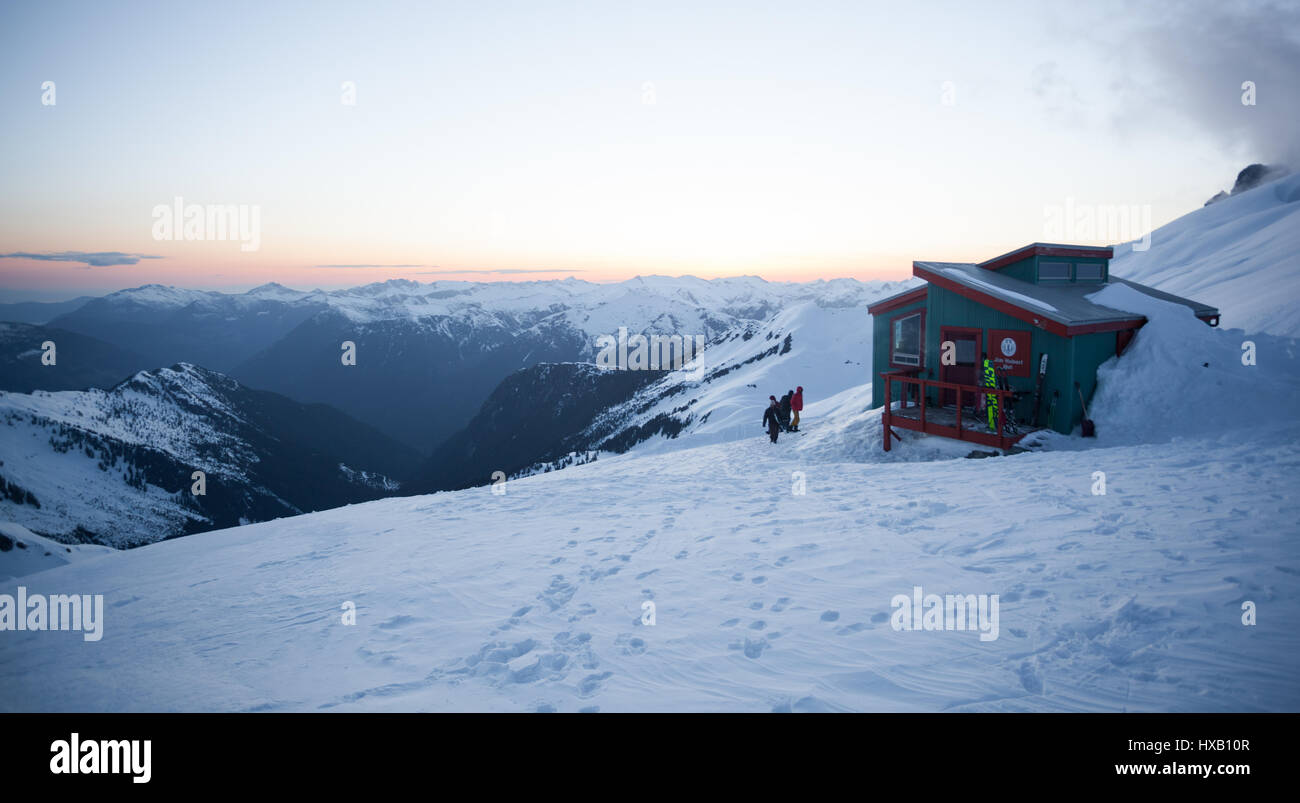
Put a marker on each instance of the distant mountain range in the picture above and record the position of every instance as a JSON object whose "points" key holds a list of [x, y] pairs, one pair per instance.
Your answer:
{"points": [[39, 311], [116, 466], [428, 355]]}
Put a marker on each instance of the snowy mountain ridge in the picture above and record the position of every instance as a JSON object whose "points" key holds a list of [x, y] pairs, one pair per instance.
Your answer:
{"points": [[1240, 254], [117, 466], [642, 303]]}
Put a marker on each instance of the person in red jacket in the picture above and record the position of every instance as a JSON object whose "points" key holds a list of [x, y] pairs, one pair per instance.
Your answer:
{"points": [[796, 404]]}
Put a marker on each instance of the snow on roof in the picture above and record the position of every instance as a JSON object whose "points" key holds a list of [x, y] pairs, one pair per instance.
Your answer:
{"points": [[1065, 303], [1021, 297]]}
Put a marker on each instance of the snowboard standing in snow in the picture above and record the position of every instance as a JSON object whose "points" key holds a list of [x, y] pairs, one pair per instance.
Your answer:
{"points": [[1038, 388]]}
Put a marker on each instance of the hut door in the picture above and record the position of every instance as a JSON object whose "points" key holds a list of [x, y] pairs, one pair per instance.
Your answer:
{"points": [[965, 371]]}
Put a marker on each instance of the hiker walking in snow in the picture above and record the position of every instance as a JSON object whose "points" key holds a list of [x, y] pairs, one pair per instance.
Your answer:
{"points": [[785, 410], [991, 399], [771, 419], [796, 404]]}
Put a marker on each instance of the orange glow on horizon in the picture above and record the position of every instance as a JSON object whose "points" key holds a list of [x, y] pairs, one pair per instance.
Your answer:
{"points": [[239, 273]]}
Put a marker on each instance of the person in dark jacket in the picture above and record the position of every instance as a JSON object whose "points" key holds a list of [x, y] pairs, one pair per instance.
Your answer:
{"points": [[771, 419], [785, 410], [796, 405]]}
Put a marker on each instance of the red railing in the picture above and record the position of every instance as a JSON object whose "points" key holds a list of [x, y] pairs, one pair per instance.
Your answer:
{"points": [[910, 381]]}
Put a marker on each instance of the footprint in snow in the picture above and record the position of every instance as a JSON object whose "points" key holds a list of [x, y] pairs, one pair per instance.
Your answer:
{"points": [[592, 684], [830, 616], [396, 622], [631, 645], [1030, 679]]}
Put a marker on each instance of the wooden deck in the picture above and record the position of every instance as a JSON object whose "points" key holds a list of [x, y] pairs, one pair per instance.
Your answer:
{"points": [[950, 421], [972, 420]]}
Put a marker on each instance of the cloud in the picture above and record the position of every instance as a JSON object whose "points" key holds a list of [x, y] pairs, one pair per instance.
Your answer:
{"points": [[1195, 57], [96, 259]]}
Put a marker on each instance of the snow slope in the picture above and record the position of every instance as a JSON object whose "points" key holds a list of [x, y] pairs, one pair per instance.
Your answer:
{"points": [[1241, 254], [23, 552], [721, 395], [766, 600]]}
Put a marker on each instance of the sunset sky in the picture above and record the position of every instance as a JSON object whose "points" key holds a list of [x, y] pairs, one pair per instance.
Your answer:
{"points": [[501, 141]]}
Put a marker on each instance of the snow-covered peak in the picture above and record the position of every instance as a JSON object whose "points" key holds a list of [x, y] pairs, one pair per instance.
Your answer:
{"points": [[159, 295], [1240, 254], [276, 291]]}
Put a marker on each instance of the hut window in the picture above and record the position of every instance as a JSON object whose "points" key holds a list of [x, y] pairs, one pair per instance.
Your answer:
{"points": [[907, 340], [1054, 271], [1089, 271]]}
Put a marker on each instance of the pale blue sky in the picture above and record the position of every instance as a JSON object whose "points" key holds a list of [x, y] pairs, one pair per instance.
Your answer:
{"points": [[789, 140]]}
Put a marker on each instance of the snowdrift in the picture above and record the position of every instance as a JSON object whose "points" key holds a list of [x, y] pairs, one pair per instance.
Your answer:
{"points": [[1181, 379]]}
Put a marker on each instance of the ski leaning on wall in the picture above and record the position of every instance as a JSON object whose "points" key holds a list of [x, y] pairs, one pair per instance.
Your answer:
{"points": [[1038, 387]]}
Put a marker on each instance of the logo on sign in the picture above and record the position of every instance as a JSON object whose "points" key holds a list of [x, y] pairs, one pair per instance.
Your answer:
{"points": [[1008, 347]]}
